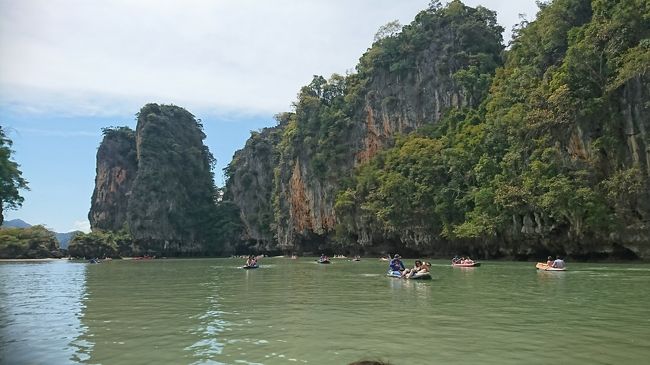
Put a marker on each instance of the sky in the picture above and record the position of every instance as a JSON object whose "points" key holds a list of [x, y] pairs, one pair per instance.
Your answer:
{"points": [[71, 67]]}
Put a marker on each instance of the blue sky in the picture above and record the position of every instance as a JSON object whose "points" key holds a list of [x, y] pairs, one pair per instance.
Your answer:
{"points": [[71, 67]]}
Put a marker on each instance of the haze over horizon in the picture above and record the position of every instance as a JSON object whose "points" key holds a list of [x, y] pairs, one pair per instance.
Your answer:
{"points": [[69, 68]]}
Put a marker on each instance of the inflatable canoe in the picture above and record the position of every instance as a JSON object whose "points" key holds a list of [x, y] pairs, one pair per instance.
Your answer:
{"points": [[323, 261], [420, 275], [543, 266], [474, 264], [250, 267]]}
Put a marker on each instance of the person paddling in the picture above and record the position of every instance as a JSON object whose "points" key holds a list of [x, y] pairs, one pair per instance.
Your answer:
{"points": [[396, 263]]}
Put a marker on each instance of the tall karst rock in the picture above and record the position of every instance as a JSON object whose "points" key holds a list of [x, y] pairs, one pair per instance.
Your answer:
{"points": [[406, 80], [167, 198], [250, 184]]}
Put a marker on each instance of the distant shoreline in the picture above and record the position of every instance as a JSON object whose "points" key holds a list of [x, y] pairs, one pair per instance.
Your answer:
{"points": [[34, 260]]}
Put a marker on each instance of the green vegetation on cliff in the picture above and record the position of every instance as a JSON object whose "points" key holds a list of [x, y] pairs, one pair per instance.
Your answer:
{"points": [[156, 185], [442, 142], [555, 159]]}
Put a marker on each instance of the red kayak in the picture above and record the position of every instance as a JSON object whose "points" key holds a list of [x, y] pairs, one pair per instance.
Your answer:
{"points": [[473, 264]]}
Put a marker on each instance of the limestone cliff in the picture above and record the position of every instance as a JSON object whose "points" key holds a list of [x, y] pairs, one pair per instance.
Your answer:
{"points": [[157, 183], [403, 82], [116, 170], [250, 184], [444, 143]]}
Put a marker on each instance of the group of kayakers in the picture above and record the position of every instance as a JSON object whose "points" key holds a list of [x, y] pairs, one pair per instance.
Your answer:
{"points": [[251, 261], [419, 267], [462, 260], [558, 263], [396, 264]]}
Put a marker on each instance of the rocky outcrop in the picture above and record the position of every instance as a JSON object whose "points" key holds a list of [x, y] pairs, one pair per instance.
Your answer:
{"points": [[157, 183], [340, 124], [548, 154], [116, 170], [250, 185]]}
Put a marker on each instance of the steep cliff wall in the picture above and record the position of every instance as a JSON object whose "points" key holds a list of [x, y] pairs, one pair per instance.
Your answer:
{"points": [[403, 82], [250, 185], [157, 183], [436, 146], [173, 195], [116, 170]]}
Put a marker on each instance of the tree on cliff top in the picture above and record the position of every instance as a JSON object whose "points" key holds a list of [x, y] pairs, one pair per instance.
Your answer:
{"points": [[11, 179]]}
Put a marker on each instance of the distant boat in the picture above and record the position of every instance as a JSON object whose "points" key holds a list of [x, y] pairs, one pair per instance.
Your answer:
{"points": [[326, 261], [245, 267], [473, 264]]}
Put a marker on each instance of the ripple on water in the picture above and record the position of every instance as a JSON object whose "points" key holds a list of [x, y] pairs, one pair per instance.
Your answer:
{"points": [[206, 312]]}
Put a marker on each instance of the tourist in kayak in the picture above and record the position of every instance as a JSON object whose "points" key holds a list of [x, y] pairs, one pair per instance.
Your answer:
{"points": [[251, 261], [558, 263], [396, 264], [409, 272], [549, 261], [466, 260]]}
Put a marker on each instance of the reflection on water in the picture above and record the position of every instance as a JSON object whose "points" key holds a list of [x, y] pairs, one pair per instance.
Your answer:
{"points": [[41, 305], [209, 311]]}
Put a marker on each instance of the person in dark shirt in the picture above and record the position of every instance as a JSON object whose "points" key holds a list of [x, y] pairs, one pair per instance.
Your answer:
{"points": [[396, 263]]}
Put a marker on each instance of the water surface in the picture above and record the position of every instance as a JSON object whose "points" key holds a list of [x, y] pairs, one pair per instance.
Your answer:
{"points": [[208, 311]]}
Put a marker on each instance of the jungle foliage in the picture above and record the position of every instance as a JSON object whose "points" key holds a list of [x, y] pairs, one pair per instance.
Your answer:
{"points": [[547, 155], [11, 179]]}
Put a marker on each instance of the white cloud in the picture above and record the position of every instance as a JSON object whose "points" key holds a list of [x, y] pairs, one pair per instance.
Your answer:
{"points": [[57, 133], [81, 225], [244, 56]]}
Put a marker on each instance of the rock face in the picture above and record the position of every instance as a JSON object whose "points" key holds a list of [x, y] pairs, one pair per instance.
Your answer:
{"points": [[116, 170], [157, 183], [546, 151], [342, 122], [250, 185]]}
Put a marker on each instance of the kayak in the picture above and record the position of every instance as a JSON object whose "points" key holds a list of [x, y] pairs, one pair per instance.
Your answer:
{"points": [[250, 267], [420, 275], [323, 261], [543, 266], [474, 264]]}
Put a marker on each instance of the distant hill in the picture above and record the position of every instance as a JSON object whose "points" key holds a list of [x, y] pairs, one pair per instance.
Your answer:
{"points": [[16, 223], [63, 238]]}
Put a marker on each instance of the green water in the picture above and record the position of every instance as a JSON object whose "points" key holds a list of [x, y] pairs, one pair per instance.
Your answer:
{"points": [[207, 311]]}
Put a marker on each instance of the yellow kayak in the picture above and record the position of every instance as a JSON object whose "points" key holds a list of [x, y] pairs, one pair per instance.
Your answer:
{"points": [[543, 266]]}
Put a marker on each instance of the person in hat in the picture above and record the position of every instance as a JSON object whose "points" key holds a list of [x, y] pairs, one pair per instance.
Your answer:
{"points": [[396, 263]]}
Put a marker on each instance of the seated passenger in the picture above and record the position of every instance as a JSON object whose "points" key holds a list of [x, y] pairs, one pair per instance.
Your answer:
{"points": [[426, 267], [558, 263], [549, 261], [396, 264], [251, 261], [409, 272]]}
